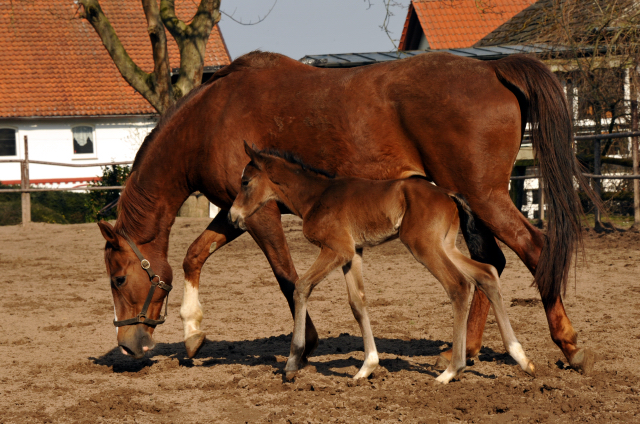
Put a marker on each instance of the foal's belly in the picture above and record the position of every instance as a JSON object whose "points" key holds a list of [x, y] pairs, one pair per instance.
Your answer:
{"points": [[373, 234]]}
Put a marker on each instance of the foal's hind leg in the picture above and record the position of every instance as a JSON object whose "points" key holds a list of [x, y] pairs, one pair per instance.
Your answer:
{"points": [[218, 233], [429, 251], [488, 282], [355, 288]]}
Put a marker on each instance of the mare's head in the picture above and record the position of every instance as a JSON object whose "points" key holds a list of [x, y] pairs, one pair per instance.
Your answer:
{"points": [[131, 283], [256, 189]]}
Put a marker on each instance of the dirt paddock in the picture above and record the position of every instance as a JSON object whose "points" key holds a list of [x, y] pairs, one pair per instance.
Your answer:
{"points": [[59, 362]]}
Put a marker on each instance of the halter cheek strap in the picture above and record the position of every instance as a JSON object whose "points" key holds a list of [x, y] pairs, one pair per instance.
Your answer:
{"points": [[141, 318]]}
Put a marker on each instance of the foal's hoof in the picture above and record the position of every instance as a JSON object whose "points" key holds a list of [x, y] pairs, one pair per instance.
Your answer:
{"points": [[290, 375], [583, 360], [441, 363], [194, 343], [531, 369]]}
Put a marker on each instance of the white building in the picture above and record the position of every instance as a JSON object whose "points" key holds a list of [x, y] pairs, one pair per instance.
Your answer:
{"points": [[61, 90]]}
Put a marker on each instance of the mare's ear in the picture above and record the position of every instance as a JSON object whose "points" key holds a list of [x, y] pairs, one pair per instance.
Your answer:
{"points": [[109, 234], [253, 155]]}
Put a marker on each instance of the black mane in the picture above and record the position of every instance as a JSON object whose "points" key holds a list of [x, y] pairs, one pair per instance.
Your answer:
{"points": [[295, 160]]}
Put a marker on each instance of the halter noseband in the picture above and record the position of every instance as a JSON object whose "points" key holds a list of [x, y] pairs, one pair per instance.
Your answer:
{"points": [[141, 318]]}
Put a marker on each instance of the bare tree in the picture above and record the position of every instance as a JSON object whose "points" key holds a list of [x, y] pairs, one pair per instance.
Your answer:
{"points": [[156, 87]]}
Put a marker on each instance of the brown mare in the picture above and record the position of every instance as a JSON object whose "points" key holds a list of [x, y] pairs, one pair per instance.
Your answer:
{"points": [[458, 122], [345, 214]]}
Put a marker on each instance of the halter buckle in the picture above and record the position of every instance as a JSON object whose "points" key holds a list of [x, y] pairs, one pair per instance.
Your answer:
{"points": [[145, 264]]}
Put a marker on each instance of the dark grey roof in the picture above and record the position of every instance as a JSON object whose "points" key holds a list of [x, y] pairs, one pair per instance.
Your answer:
{"points": [[347, 60]]}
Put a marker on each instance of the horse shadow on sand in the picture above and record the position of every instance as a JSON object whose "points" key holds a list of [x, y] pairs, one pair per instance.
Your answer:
{"points": [[273, 350]]}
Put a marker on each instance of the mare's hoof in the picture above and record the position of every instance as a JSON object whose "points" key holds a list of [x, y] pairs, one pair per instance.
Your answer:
{"points": [[531, 369], [290, 375], [583, 360], [194, 343], [441, 363]]}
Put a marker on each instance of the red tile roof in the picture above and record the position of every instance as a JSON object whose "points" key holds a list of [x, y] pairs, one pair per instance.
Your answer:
{"points": [[54, 64], [451, 24]]}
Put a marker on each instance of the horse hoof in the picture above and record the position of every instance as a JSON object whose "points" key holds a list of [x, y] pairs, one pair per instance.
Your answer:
{"points": [[441, 363], [583, 360], [290, 375], [531, 369], [194, 343]]}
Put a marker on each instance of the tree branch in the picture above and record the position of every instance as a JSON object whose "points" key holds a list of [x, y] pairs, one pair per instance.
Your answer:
{"points": [[192, 41], [131, 72], [161, 77]]}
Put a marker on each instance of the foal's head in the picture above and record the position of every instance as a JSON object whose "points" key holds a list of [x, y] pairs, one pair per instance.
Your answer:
{"points": [[256, 189]]}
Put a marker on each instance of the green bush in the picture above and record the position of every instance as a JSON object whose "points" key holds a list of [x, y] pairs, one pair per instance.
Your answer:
{"points": [[114, 175]]}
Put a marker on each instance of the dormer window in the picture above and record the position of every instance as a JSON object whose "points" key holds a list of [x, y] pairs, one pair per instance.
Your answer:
{"points": [[83, 140], [8, 142]]}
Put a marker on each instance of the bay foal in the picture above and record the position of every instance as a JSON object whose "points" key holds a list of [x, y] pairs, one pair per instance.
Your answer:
{"points": [[343, 215]]}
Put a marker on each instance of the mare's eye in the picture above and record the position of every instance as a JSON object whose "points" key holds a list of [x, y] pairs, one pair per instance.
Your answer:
{"points": [[245, 183], [118, 281]]}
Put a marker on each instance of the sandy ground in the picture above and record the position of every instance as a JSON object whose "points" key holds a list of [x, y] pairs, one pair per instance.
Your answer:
{"points": [[59, 361]]}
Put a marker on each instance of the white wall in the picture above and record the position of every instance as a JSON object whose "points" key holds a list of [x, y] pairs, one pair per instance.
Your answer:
{"points": [[116, 139]]}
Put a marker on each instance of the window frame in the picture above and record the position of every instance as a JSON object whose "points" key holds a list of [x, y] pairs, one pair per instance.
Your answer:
{"points": [[81, 156], [18, 149]]}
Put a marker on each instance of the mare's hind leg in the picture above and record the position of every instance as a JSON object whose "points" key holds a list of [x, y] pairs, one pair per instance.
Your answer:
{"points": [[488, 281], [355, 289], [327, 261], [510, 226], [218, 233]]}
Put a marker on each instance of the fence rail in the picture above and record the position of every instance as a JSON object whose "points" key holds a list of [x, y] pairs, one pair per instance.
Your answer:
{"points": [[25, 190]]}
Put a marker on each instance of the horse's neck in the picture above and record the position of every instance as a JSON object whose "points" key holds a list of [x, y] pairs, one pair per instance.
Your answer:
{"points": [[301, 190], [152, 200]]}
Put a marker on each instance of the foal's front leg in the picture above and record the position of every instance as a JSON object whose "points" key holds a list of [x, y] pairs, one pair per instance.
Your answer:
{"points": [[355, 288], [327, 261], [218, 233]]}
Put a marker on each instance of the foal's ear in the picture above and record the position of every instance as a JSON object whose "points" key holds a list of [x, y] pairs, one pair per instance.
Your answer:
{"points": [[109, 234], [253, 155]]}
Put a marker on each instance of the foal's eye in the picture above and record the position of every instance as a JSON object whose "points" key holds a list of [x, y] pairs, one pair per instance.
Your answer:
{"points": [[245, 183], [118, 281]]}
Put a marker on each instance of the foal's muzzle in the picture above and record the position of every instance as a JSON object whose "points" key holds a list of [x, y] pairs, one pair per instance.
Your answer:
{"points": [[235, 219]]}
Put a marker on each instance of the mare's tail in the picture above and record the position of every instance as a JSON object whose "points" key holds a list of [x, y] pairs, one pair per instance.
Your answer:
{"points": [[479, 238], [545, 107]]}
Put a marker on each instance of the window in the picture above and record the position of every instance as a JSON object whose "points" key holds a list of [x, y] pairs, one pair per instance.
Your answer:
{"points": [[83, 140], [7, 142]]}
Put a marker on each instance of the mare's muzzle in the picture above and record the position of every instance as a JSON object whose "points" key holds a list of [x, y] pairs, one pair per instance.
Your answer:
{"points": [[135, 341]]}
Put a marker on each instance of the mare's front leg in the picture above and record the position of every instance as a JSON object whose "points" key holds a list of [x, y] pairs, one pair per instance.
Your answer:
{"points": [[266, 229], [327, 261], [218, 233]]}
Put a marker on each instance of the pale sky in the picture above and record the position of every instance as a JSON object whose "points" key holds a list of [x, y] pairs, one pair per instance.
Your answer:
{"points": [[304, 27]]}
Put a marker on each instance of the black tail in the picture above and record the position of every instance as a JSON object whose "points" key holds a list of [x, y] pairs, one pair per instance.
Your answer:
{"points": [[479, 238], [542, 98]]}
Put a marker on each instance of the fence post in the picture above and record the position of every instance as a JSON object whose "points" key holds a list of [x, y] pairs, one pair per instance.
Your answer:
{"points": [[541, 198], [596, 182], [634, 150], [24, 184]]}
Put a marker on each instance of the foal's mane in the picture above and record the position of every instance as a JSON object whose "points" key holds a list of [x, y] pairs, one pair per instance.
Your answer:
{"points": [[295, 160]]}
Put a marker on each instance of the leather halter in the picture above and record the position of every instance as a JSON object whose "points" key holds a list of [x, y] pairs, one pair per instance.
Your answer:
{"points": [[141, 318]]}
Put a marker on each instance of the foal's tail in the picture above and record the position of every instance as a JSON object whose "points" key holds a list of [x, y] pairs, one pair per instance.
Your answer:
{"points": [[545, 107], [477, 235]]}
